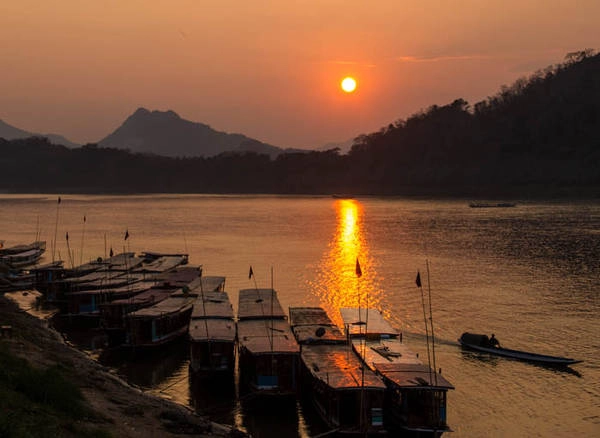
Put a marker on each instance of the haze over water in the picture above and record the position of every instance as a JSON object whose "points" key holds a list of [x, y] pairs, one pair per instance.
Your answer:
{"points": [[530, 274]]}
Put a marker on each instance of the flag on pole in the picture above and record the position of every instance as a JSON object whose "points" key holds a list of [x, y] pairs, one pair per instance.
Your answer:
{"points": [[67, 236], [418, 280], [84, 219], [250, 273], [111, 251], [126, 234], [358, 270]]}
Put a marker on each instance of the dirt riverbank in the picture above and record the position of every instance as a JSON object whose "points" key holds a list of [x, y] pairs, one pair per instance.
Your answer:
{"points": [[119, 409]]}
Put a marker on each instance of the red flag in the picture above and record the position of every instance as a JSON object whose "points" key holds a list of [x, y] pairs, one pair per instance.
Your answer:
{"points": [[84, 219], [111, 252], [418, 280], [358, 270], [67, 236], [250, 273], [126, 234]]}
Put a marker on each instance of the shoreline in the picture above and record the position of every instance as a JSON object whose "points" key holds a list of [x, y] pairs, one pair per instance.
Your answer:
{"points": [[121, 409]]}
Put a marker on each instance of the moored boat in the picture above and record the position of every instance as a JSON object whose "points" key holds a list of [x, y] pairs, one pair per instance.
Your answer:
{"points": [[212, 334], [348, 396], [416, 396], [268, 352], [482, 344]]}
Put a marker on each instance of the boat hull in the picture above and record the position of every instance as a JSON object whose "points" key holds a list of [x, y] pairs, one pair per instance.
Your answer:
{"points": [[517, 354]]}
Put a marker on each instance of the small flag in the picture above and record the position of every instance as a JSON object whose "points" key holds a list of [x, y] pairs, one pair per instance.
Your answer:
{"points": [[418, 280], [59, 199], [111, 252], [84, 219], [126, 234], [67, 236], [250, 273], [358, 270]]}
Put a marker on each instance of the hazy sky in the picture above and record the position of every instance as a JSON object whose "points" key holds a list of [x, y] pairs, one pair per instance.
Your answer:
{"points": [[271, 69]]}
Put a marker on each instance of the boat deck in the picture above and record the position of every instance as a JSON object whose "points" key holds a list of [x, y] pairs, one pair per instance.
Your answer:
{"points": [[312, 325], [259, 304], [338, 367], [361, 321], [266, 336]]}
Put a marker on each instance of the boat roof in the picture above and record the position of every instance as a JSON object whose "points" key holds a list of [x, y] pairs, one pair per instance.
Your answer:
{"points": [[404, 375], [256, 334], [129, 288], [259, 304], [312, 325], [212, 330], [169, 305], [384, 351], [152, 295], [338, 367], [180, 276], [366, 320], [207, 283], [212, 305], [160, 264]]}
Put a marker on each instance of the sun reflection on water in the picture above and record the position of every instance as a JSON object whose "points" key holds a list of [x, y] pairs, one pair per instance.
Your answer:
{"points": [[338, 283]]}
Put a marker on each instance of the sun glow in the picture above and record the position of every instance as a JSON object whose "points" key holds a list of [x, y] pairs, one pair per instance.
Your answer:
{"points": [[348, 84]]}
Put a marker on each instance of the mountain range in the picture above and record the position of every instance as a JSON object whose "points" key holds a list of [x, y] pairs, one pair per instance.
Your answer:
{"points": [[164, 133], [9, 132]]}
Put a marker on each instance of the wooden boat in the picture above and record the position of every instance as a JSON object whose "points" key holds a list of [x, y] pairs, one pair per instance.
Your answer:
{"points": [[268, 352], [22, 259], [416, 396], [348, 396], [492, 204], [481, 343], [212, 334], [37, 245], [115, 313], [159, 324]]}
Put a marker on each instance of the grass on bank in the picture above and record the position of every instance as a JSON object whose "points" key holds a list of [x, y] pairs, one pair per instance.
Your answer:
{"points": [[40, 402]]}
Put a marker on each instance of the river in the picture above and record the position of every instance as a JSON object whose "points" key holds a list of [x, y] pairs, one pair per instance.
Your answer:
{"points": [[530, 274]]}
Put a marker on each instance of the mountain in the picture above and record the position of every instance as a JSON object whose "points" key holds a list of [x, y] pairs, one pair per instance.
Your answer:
{"points": [[9, 132], [165, 133]]}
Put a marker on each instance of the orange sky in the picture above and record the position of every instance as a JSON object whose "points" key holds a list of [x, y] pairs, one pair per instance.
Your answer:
{"points": [[270, 69]]}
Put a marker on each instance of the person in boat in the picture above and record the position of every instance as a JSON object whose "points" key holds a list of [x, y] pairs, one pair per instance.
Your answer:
{"points": [[494, 342]]}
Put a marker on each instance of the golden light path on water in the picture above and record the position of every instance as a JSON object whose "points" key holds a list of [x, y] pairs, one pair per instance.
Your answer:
{"points": [[338, 283]]}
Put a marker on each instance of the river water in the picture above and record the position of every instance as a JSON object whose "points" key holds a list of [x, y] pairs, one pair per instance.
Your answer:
{"points": [[530, 274]]}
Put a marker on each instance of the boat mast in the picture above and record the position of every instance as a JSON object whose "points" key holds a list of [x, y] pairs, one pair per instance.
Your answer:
{"points": [[418, 281], [431, 322]]}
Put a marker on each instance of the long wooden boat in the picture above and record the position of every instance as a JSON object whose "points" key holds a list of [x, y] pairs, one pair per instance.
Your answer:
{"points": [[159, 324], [481, 343], [212, 335], [416, 396], [268, 352], [348, 396], [38, 245], [22, 259], [114, 314]]}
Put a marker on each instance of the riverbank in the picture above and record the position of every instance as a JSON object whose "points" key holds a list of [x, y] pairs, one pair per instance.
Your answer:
{"points": [[110, 407]]}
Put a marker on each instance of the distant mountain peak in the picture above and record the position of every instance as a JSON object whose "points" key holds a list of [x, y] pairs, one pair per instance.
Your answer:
{"points": [[166, 133]]}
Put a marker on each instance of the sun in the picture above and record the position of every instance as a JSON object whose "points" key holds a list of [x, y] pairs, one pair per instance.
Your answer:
{"points": [[348, 84]]}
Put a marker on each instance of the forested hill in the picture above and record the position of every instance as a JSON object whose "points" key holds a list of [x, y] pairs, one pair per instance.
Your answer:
{"points": [[540, 136], [542, 130]]}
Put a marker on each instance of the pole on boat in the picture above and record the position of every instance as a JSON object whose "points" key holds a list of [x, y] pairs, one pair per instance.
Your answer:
{"points": [[363, 341], [418, 282], [55, 229], [82, 239], [431, 322], [69, 250]]}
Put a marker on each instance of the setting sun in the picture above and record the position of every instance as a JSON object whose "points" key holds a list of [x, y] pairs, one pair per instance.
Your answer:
{"points": [[348, 84]]}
